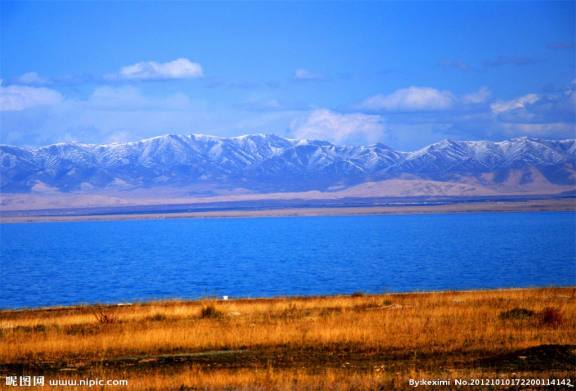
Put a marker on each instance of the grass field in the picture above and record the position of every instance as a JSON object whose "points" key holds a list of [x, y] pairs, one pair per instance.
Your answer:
{"points": [[337, 343]]}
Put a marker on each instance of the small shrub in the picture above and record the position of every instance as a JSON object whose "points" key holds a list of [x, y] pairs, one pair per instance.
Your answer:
{"points": [[210, 311], [551, 316], [517, 314], [358, 294], [387, 302], [104, 317], [331, 310], [157, 317]]}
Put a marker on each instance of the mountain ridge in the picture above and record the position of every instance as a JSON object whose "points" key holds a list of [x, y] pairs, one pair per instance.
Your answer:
{"points": [[263, 163]]}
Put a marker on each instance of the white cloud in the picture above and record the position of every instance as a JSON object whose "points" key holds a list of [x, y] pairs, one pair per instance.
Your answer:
{"points": [[107, 114], [181, 68], [328, 125], [17, 97], [31, 78], [477, 97], [475, 115], [303, 74], [411, 99], [514, 104], [538, 114]]}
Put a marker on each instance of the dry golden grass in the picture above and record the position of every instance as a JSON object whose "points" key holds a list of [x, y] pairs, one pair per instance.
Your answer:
{"points": [[427, 330]]}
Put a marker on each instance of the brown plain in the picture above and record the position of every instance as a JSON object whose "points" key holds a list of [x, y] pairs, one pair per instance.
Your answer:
{"points": [[562, 205], [337, 343]]}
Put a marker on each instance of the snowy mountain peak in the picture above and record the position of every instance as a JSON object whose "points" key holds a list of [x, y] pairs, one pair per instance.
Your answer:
{"points": [[264, 162]]}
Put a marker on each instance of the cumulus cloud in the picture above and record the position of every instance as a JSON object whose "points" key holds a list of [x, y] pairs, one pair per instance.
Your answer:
{"points": [[411, 99], [303, 74], [323, 124], [538, 114], [181, 68], [18, 97], [108, 113], [514, 104], [540, 107], [477, 115]]}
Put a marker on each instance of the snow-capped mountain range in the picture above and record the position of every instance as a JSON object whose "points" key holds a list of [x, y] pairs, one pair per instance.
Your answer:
{"points": [[269, 163]]}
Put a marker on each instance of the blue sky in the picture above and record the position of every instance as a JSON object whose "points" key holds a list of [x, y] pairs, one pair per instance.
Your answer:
{"points": [[403, 73]]}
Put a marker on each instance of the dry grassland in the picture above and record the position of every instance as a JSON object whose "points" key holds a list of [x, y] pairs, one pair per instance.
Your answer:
{"points": [[339, 342]]}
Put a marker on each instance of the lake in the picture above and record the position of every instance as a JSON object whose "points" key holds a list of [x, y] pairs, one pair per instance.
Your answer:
{"points": [[45, 264]]}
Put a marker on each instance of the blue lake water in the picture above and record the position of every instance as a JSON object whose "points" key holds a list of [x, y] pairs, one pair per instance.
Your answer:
{"points": [[123, 261]]}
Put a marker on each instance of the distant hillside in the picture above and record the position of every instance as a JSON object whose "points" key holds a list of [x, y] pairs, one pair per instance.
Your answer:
{"points": [[199, 165]]}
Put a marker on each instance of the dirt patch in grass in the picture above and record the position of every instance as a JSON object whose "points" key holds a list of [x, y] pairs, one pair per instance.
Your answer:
{"points": [[517, 314]]}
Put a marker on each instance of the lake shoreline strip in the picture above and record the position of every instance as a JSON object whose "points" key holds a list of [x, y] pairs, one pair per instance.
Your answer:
{"points": [[554, 205], [177, 301]]}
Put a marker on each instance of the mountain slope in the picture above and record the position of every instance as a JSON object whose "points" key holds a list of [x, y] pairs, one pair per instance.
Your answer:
{"points": [[268, 163]]}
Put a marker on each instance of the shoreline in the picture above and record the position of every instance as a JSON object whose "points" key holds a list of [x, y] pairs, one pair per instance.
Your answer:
{"points": [[176, 301], [549, 205]]}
